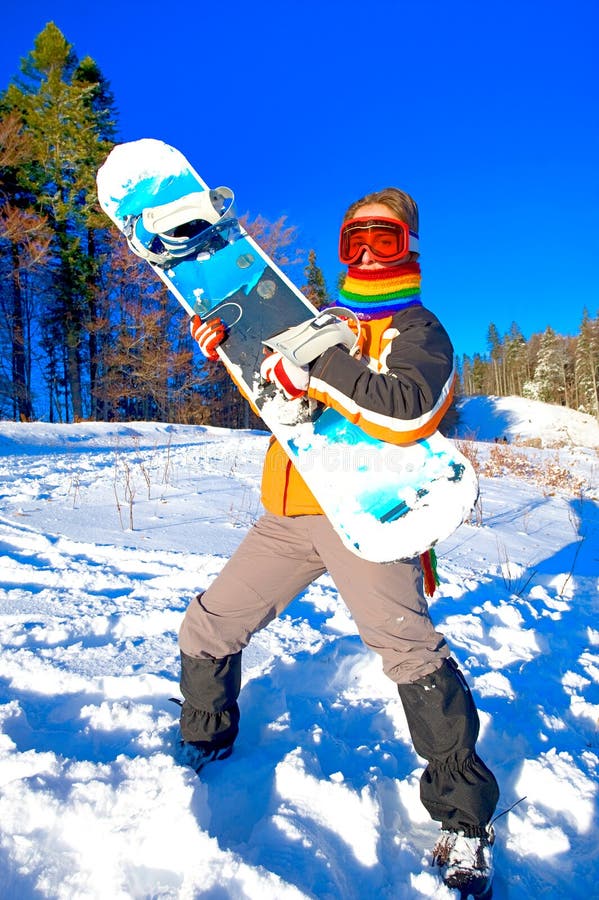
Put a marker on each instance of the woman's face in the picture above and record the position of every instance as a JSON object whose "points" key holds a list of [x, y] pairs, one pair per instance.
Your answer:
{"points": [[375, 211]]}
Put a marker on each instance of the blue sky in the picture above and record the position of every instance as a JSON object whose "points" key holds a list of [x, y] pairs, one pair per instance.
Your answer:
{"points": [[487, 112]]}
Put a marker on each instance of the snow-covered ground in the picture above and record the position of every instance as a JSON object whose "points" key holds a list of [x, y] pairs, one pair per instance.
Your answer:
{"points": [[106, 533], [520, 420]]}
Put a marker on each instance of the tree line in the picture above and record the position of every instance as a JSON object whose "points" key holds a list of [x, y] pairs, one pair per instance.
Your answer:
{"points": [[86, 329], [548, 366]]}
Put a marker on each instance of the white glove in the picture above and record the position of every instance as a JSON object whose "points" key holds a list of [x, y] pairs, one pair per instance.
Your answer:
{"points": [[208, 335], [292, 380]]}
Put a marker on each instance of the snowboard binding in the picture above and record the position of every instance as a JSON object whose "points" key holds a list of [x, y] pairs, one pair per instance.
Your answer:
{"points": [[199, 223], [304, 343]]}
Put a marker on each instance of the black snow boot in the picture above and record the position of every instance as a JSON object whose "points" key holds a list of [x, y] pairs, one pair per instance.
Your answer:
{"points": [[209, 713], [456, 787]]}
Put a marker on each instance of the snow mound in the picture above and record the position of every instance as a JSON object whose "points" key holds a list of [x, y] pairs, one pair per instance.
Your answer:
{"points": [[520, 420]]}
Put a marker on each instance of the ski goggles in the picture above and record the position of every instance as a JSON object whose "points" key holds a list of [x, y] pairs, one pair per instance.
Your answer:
{"points": [[387, 240]]}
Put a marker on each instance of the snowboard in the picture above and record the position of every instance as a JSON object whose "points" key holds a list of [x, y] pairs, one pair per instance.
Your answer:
{"points": [[386, 502]]}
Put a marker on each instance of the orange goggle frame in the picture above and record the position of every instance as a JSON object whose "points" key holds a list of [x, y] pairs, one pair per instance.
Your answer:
{"points": [[387, 240]]}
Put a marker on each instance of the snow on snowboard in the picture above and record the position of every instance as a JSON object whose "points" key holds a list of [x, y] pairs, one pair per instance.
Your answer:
{"points": [[386, 502]]}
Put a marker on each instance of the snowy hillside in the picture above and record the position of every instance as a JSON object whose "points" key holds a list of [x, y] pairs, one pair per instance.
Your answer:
{"points": [[517, 419], [106, 533]]}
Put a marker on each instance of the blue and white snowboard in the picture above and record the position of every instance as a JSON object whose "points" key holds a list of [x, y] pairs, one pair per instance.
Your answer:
{"points": [[385, 501]]}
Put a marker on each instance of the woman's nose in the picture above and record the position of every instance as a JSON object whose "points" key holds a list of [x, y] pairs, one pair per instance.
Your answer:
{"points": [[366, 258]]}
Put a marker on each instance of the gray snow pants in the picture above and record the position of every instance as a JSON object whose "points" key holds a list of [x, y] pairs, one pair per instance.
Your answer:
{"points": [[279, 558]]}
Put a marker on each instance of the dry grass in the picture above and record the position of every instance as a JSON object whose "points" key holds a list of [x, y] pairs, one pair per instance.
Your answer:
{"points": [[505, 459]]}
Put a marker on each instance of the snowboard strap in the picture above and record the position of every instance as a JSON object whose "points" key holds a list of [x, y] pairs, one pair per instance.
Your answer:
{"points": [[198, 222], [207, 206], [304, 343]]}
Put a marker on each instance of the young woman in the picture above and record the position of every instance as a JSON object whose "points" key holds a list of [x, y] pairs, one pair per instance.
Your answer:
{"points": [[398, 390]]}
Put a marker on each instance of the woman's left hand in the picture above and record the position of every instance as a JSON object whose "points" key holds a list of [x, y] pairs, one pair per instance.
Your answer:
{"points": [[292, 380]]}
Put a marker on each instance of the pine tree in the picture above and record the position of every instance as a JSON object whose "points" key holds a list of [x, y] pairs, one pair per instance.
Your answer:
{"points": [[64, 110], [24, 245], [587, 365], [479, 375], [515, 361], [548, 382], [496, 347], [100, 104], [465, 370], [315, 288]]}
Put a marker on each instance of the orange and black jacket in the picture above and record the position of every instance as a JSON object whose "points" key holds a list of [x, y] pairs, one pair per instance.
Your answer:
{"points": [[398, 391]]}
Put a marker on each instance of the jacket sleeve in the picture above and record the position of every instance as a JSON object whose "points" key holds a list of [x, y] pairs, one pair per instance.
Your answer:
{"points": [[408, 401]]}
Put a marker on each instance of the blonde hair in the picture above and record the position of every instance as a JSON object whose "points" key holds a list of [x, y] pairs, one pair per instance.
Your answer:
{"points": [[403, 206]]}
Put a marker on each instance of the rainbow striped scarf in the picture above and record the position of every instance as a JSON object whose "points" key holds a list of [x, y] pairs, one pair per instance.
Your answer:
{"points": [[381, 291]]}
